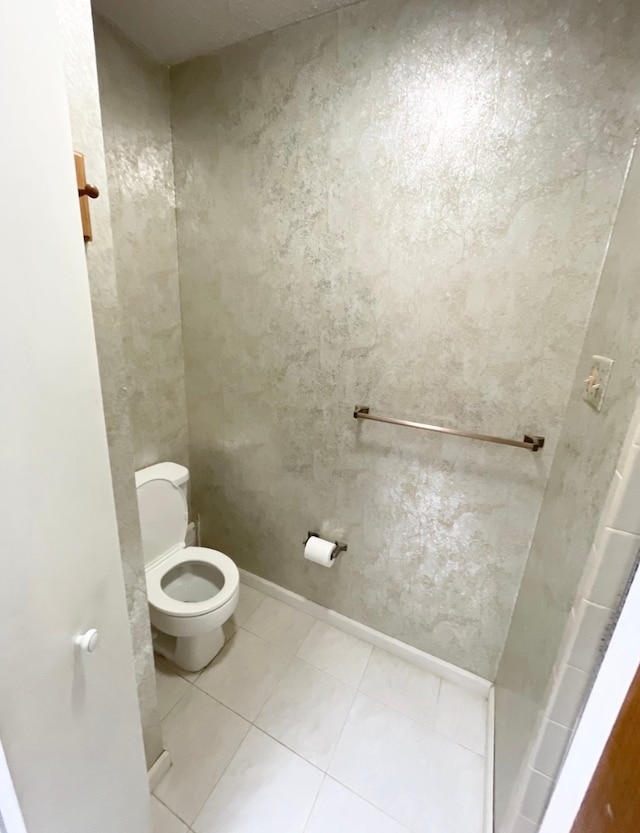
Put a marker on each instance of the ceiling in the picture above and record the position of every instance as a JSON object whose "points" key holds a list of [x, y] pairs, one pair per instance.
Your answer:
{"points": [[172, 31]]}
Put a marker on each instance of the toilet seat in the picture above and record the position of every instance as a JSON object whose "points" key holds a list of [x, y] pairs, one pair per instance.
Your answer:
{"points": [[156, 574]]}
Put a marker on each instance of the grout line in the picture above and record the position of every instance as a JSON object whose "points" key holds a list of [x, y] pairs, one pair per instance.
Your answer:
{"points": [[274, 644], [366, 668], [290, 659], [326, 673], [244, 717], [218, 779], [224, 705], [324, 670], [370, 803], [361, 677], [315, 801], [164, 804], [352, 689], [427, 726], [332, 675], [216, 782], [284, 746], [439, 695], [172, 811], [164, 717], [480, 755], [489, 762], [344, 726]]}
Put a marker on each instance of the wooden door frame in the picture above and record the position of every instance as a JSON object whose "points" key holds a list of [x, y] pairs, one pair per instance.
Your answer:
{"points": [[612, 683]]}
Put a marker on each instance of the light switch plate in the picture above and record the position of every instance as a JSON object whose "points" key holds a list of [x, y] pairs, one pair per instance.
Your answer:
{"points": [[595, 385]]}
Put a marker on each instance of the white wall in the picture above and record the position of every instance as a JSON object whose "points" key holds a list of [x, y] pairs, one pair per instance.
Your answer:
{"points": [[69, 721], [86, 126]]}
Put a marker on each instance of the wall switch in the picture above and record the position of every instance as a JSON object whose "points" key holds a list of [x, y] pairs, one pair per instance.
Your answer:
{"points": [[595, 385]]}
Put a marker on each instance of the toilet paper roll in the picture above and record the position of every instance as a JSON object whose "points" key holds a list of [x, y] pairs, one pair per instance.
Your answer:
{"points": [[320, 551]]}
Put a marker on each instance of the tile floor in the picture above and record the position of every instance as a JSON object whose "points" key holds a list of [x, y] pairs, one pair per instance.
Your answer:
{"points": [[297, 727]]}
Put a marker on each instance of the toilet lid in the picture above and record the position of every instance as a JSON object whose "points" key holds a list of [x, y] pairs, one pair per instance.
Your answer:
{"points": [[163, 517], [224, 572]]}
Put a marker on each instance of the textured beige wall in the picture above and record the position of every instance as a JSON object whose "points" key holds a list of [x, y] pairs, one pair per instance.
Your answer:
{"points": [[405, 205], [80, 67], [134, 94], [580, 476]]}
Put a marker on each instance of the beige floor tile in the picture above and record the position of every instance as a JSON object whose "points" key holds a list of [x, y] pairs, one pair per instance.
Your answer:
{"points": [[190, 676], [202, 736], [461, 716], [403, 686], [266, 789], [419, 778], [280, 624], [339, 654], [338, 810], [248, 601], [244, 673], [163, 820], [170, 686], [307, 711]]}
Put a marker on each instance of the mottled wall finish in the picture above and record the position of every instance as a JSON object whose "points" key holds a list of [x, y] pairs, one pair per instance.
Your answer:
{"points": [[580, 476], [77, 32], [134, 95], [405, 205]]}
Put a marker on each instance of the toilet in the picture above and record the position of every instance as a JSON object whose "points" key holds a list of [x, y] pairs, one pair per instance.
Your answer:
{"points": [[192, 591]]}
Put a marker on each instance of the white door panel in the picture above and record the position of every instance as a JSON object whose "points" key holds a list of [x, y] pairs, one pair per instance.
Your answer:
{"points": [[69, 720]]}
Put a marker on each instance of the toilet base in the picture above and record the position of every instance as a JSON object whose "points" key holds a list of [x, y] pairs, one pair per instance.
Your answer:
{"points": [[191, 653]]}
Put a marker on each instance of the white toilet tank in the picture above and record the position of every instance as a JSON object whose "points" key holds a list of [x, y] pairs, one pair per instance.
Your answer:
{"points": [[162, 506]]}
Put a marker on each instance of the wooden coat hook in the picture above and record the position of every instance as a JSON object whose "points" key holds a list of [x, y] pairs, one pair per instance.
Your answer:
{"points": [[85, 192]]}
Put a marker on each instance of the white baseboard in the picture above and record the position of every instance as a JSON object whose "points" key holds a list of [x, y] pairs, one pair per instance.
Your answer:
{"points": [[394, 646], [158, 769], [489, 761]]}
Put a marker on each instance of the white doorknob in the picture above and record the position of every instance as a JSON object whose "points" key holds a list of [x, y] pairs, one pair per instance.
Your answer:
{"points": [[87, 641]]}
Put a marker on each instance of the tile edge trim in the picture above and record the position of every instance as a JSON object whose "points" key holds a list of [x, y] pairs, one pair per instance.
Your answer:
{"points": [[489, 761]]}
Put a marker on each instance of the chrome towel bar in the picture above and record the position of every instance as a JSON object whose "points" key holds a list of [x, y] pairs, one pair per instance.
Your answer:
{"points": [[532, 442]]}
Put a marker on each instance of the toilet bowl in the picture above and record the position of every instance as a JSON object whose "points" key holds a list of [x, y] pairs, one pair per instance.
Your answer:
{"points": [[192, 591]]}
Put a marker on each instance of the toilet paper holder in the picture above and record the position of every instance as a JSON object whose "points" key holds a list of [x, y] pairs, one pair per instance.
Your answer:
{"points": [[339, 547]]}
